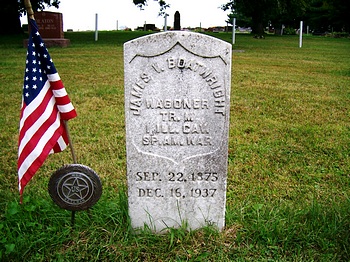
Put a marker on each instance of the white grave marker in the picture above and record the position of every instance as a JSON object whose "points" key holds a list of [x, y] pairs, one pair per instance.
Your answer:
{"points": [[177, 97]]}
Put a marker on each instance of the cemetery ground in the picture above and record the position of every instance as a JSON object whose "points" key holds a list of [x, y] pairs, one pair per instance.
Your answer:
{"points": [[288, 191]]}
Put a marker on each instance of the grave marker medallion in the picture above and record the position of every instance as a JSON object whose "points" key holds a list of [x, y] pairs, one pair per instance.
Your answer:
{"points": [[177, 97], [75, 187]]}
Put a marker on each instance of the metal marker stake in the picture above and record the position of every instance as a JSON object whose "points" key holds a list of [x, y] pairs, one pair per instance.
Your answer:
{"points": [[72, 220]]}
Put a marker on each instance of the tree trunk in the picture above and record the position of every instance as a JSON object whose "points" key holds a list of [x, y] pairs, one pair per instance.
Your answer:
{"points": [[258, 23]]}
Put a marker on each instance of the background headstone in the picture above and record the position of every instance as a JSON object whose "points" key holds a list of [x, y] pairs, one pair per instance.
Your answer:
{"points": [[177, 97], [50, 26], [177, 23]]}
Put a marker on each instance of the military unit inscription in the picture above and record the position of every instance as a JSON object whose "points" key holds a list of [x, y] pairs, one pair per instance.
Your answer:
{"points": [[177, 91]]}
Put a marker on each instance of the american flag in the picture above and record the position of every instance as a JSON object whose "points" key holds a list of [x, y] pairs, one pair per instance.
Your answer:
{"points": [[45, 105]]}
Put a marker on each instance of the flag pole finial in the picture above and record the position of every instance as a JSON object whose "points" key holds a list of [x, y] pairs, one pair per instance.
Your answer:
{"points": [[29, 9]]}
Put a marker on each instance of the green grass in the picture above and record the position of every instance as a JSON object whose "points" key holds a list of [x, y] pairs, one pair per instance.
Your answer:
{"points": [[288, 193]]}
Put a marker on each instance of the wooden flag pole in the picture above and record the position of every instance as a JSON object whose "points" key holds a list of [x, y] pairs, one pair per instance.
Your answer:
{"points": [[70, 142], [29, 9]]}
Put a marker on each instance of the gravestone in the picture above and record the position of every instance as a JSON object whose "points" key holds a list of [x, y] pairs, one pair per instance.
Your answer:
{"points": [[50, 26], [177, 23], [177, 97]]}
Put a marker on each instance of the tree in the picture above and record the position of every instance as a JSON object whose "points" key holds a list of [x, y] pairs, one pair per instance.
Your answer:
{"points": [[10, 17], [11, 11], [290, 13], [328, 15], [262, 11], [257, 10], [241, 20], [339, 15]]}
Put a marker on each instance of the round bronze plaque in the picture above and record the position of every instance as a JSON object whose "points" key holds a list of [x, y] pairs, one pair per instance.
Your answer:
{"points": [[75, 187]]}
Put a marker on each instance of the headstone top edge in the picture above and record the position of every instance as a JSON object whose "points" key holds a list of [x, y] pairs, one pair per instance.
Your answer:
{"points": [[167, 40], [51, 12], [175, 35]]}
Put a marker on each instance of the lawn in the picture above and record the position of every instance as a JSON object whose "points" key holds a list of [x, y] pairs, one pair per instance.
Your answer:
{"points": [[288, 192]]}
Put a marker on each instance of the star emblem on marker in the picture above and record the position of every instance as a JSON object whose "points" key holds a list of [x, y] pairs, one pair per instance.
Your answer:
{"points": [[75, 188]]}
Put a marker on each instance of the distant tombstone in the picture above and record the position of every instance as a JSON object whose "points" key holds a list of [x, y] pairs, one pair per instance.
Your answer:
{"points": [[177, 24], [50, 26], [177, 97]]}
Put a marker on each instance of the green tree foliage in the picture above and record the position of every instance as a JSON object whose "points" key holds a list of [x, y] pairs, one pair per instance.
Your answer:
{"points": [[289, 13], [318, 14], [258, 11], [241, 20], [328, 15], [10, 17], [162, 4], [261, 12]]}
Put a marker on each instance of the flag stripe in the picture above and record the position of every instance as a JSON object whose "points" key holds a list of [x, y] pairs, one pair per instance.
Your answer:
{"points": [[31, 156], [53, 77], [59, 93], [65, 108], [33, 115], [35, 165], [61, 143], [37, 104], [36, 132]]}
